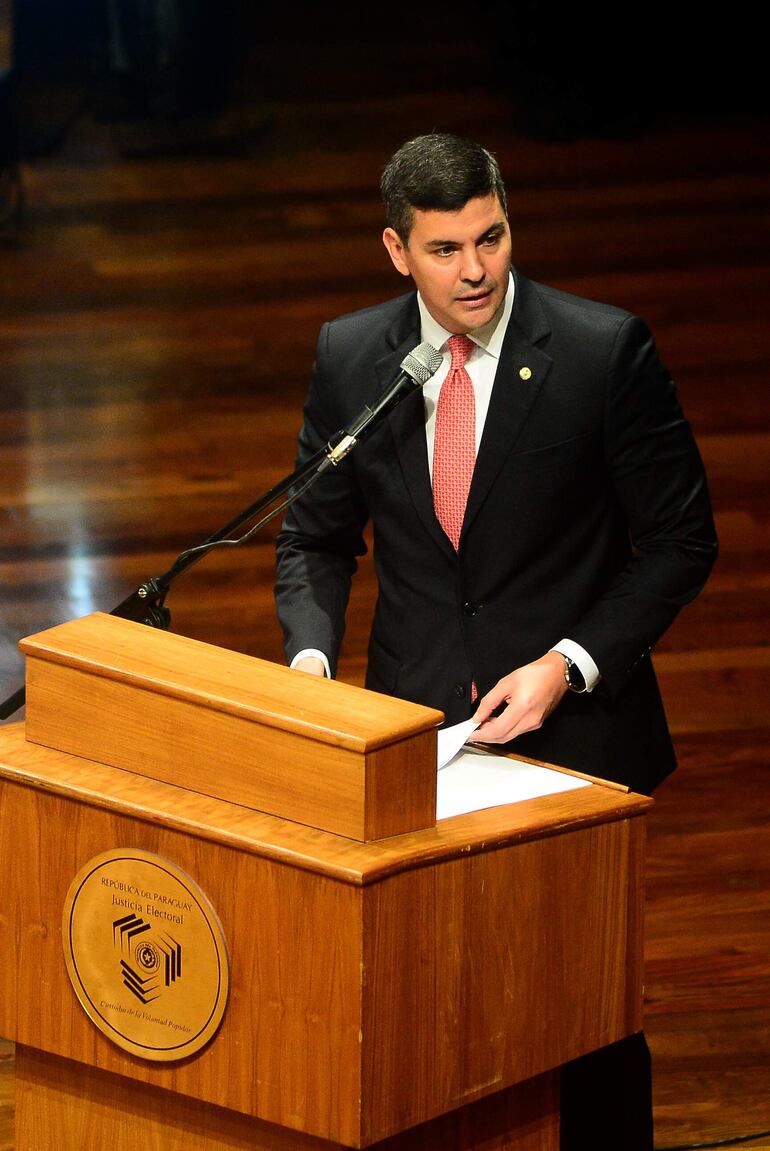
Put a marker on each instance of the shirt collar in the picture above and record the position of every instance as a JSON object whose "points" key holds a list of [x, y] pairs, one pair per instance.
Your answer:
{"points": [[489, 338]]}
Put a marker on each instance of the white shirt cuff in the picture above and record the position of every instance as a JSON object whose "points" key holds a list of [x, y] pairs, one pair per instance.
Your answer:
{"points": [[580, 656], [312, 651]]}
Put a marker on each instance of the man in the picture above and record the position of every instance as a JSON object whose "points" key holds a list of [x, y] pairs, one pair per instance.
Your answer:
{"points": [[587, 523], [540, 510]]}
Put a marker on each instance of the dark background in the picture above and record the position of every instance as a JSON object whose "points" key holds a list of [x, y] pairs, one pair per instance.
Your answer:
{"points": [[570, 70]]}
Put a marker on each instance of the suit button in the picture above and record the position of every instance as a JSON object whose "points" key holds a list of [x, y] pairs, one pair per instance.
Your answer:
{"points": [[460, 690], [470, 608]]}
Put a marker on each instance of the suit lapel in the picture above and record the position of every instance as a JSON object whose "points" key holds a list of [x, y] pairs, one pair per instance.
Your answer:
{"points": [[520, 375], [407, 424]]}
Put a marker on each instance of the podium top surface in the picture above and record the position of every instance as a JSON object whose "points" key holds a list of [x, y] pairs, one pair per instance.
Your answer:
{"points": [[295, 844], [327, 711]]}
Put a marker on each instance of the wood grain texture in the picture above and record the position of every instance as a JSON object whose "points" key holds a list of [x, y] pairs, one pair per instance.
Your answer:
{"points": [[707, 978], [7, 1094], [501, 967], [141, 406], [51, 1113], [180, 668], [288, 1048], [356, 1010], [338, 857], [301, 747]]}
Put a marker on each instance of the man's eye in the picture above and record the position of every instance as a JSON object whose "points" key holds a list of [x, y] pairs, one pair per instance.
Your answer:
{"points": [[491, 241]]}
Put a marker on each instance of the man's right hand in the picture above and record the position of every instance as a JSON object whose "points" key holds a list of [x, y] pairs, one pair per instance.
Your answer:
{"points": [[310, 664]]}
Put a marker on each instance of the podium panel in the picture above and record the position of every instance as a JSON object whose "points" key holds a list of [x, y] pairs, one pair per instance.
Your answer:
{"points": [[416, 990], [122, 1116]]}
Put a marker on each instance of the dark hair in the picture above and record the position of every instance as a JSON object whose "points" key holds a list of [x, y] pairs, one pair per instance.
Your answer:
{"points": [[439, 172]]}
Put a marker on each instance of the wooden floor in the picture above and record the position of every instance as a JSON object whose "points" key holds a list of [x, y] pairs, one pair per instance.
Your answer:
{"points": [[158, 324]]}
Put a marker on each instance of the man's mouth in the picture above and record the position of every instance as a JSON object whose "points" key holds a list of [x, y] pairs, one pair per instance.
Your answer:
{"points": [[476, 297]]}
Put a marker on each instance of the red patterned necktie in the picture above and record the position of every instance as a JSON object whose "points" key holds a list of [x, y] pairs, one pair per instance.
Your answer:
{"points": [[454, 449]]}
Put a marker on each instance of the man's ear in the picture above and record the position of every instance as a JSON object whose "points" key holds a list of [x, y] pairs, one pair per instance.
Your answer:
{"points": [[396, 250]]}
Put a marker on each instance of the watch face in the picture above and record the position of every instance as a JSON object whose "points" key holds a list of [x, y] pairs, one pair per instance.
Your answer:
{"points": [[575, 677]]}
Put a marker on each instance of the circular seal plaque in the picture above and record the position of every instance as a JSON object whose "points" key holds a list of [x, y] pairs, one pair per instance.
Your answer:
{"points": [[145, 953]]}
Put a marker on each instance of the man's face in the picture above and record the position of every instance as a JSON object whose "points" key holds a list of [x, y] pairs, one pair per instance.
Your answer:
{"points": [[459, 261]]}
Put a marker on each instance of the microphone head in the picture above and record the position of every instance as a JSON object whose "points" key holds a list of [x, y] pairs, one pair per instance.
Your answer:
{"points": [[421, 363]]}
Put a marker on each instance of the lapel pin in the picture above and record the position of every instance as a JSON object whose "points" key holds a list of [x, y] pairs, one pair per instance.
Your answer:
{"points": [[525, 373]]}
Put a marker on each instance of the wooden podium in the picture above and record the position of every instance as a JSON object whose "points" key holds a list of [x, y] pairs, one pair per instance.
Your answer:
{"points": [[394, 981]]}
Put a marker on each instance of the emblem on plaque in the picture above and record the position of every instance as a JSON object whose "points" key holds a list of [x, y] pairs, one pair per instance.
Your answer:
{"points": [[145, 953]]}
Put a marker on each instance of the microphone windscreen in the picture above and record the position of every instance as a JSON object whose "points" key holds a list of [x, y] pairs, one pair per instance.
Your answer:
{"points": [[422, 362]]}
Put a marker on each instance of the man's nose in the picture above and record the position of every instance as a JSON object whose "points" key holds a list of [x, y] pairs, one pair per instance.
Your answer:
{"points": [[472, 269]]}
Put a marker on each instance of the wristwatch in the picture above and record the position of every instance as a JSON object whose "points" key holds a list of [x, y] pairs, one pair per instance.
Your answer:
{"points": [[573, 675]]}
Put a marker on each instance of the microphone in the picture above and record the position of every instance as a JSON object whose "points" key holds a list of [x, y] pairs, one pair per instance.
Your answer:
{"points": [[416, 369]]}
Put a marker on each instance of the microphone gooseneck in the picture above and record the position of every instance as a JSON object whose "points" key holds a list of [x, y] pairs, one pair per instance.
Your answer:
{"points": [[417, 367], [147, 604]]}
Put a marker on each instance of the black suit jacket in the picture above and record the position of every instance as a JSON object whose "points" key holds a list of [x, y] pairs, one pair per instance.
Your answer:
{"points": [[588, 518]]}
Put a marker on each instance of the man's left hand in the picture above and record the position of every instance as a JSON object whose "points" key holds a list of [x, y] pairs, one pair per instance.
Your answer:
{"points": [[531, 693]]}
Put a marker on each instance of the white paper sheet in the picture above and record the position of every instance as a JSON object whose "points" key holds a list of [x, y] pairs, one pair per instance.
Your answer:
{"points": [[474, 780], [451, 739]]}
